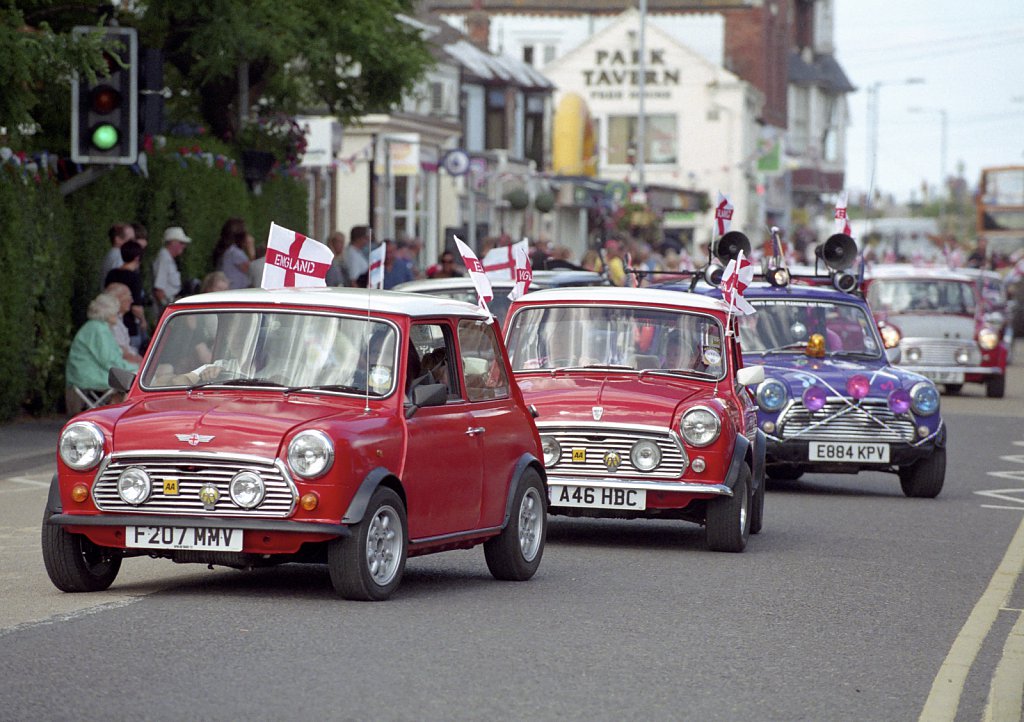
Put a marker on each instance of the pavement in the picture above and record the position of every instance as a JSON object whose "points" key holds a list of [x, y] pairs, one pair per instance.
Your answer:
{"points": [[29, 444]]}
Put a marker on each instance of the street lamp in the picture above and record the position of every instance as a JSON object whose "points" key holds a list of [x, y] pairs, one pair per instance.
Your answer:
{"points": [[873, 115], [942, 146]]}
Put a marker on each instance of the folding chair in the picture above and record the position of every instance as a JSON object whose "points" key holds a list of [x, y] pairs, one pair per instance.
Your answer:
{"points": [[91, 398]]}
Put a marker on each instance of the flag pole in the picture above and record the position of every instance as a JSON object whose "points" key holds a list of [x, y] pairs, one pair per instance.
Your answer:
{"points": [[366, 327]]}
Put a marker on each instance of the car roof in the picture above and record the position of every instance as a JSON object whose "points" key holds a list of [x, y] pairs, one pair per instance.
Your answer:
{"points": [[617, 294], [763, 289], [348, 299], [901, 270], [541, 279]]}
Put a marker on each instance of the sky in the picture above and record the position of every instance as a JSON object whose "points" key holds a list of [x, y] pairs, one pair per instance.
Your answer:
{"points": [[970, 54]]}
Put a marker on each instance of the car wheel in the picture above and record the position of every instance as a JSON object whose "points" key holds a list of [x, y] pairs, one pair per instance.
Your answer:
{"points": [[785, 472], [995, 387], [757, 510], [953, 389], [727, 522], [924, 478], [514, 555], [75, 564], [368, 564]]}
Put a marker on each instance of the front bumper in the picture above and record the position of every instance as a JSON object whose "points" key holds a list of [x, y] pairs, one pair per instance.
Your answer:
{"points": [[795, 452], [673, 487], [928, 371], [267, 525]]}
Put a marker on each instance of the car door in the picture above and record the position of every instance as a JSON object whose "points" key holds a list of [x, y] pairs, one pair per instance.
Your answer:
{"points": [[444, 460], [501, 424]]}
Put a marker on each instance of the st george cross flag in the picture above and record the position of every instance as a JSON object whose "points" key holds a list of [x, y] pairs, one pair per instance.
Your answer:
{"points": [[500, 263], [476, 274], [523, 271], [723, 214], [842, 220], [375, 279], [737, 276], [294, 260]]}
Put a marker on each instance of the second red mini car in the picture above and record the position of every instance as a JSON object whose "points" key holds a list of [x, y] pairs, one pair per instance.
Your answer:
{"points": [[643, 409]]}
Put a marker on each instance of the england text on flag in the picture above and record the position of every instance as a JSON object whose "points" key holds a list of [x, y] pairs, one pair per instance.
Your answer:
{"points": [[523, 271], [738, 274], [293, 260], [723, 214], [476, 273]]}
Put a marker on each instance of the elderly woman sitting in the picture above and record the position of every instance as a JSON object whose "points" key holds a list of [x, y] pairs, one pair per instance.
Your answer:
{"points": [[94, 351]]}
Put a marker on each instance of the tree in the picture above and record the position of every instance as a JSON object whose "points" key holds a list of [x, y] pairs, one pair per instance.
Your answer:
{"points": [[36, 58], [346, 58]]}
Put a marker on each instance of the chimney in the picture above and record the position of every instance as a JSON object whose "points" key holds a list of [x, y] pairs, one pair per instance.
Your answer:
{"points": [[478, 26]]}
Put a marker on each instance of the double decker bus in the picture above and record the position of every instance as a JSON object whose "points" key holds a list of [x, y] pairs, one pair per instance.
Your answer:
{"points": [[1000, 208]]}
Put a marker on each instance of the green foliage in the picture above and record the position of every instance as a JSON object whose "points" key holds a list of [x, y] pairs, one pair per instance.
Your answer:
{"points": [[52, 248]]}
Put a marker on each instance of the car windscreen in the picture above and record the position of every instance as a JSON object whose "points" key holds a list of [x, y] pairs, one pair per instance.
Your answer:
{"points": [[921, 295], [615, 337], [273, 349], [786, 325]]}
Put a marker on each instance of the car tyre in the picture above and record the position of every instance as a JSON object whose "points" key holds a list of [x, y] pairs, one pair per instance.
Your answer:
{"points": [[924, 478], [75, 564], [515, 553], [368, 565], [727, 520], [757, 509], [995, 387]]}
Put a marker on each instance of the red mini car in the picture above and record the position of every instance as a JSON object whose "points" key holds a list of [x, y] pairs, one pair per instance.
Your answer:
{"points": [[642, 407], [327, 425]]}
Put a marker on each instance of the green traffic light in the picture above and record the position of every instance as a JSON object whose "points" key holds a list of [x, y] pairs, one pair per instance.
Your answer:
{"points": [[104, 136]]}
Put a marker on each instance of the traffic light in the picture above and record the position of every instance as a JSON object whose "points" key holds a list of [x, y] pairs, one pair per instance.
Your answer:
{"points": [[104, 113]]}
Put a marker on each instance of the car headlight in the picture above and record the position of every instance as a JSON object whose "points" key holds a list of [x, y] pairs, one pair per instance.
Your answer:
{"points": [[310, 454], [988, 339], [771, 394], [81, 445], [700, 426], [924, 398], [134, 485], [247, 489], [552, 450], [890, 335], [645, 455]]}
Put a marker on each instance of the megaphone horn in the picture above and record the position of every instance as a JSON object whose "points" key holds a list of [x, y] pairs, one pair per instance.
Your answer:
{"points": [[838, 252], [730, 245]]}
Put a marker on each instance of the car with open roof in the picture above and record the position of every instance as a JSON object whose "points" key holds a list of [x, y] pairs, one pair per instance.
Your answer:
{"points": [[462, 288], [642, 407], [346, 427]]}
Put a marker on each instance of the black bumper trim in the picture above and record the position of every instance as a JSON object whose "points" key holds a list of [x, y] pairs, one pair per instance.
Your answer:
{"points": [[275, 525]]}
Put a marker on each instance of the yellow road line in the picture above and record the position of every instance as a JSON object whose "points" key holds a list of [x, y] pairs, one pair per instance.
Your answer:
{"points": [[1006, 694], [944, 698]]}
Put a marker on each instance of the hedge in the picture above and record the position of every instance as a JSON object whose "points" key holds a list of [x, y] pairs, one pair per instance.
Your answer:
{"points": [[52, 247]]}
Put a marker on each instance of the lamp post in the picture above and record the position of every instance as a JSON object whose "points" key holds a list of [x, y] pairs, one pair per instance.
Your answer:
{"points": [[942, 157], [873, 115]]}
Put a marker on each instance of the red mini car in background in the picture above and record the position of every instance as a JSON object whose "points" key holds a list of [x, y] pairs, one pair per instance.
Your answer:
{"points": [[642, 407], [937, 319], [337, 426]]}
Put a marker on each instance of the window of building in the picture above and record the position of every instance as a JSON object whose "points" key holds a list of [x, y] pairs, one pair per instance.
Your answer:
{"points": [[549, 53], [533, 143], [661, 144], [437, 98], [497, 134], [528, 54]]}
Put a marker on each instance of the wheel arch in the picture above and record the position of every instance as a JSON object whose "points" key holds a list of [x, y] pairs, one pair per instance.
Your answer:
{"points": [[378, 476], [526, 461]]}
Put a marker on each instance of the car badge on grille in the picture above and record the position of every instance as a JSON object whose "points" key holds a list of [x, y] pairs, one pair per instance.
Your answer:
{"points": [[209, 494], [612, 460], [194, 439], [598, 412]]}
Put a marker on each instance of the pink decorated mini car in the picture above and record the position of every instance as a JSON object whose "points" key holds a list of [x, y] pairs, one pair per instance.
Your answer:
{"points": [[328, 426]]}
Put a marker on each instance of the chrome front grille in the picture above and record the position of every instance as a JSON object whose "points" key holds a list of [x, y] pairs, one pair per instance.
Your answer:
{"points": [[939, 351], [842, 421], [192, 471], [600, 439]]}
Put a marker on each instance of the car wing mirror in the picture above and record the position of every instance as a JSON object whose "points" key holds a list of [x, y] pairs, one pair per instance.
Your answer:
{"points": [[427, 395], [893, 355], [120, 380], [750, 375]]}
